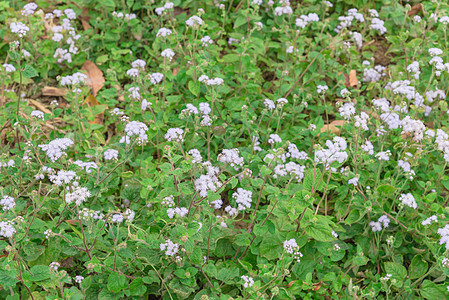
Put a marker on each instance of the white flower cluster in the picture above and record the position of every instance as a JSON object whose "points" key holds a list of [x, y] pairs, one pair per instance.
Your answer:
{"points": [[361, 121], [54, 266], [156, 78], [168, 201], [291, 247], [231, 157], [335, 152], [174, 134], [197, 158], [89, 214], [117, 218], [248, 281], [180, 211], [385, 155], [87, 166], [168, 53], [383, 221], [373, 74], [444, 233], [408, 200], [75, 79], [79, 279], [294, 153], [321, 89], [353, 181], [378, 24], [347, 110], [7, 229], [284, 9], [29, 9], [127, 17], [429, 220], [7, 202], [19, 28], [243, 199], [274, 138], [194, 20], [415, 127], [206, 40], [71, 36], [37, 114], [167, 6], [214, 81], [9, 68], [414, 68], [303, 20], [358, 38], [209, 181], [346, 21], [64, 177], [135, 128], [79, 195], [169, 247], [55, 149], [163, 32], [291, 168], [111, 154]]}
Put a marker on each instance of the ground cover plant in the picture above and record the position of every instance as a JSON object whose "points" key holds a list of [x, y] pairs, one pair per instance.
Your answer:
{"points": [[224, 149]]}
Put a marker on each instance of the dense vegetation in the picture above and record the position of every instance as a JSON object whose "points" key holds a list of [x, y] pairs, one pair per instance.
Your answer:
{"points": [[224, 149]]}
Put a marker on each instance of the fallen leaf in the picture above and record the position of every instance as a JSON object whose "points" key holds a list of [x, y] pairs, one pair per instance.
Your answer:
{"points": [[290, 284], [175, 71], [332, 127], [415, 10], [95, 77], [52, 91], [92, 101], [316, 286], [84, 17], [353, 81], [40, 106], [346, 79], [72, 222]]}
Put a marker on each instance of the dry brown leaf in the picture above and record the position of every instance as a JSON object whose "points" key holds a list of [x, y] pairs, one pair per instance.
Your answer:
{"points": [[332, 127], [72, 222], [353, 81], [175, 71], [92, 101], [84, 17], [415, 10], [290, 284], [95, 77], [52, 91], [316, 286], [346, 78], [40, 106]]}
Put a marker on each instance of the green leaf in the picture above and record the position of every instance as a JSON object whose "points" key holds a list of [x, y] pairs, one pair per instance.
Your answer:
{"points": [[194, 87], [230, 58], [264, 171], [271, 247], [430, 290], [397, 272], [228, 273], [116, 282], [137, 288], [418, 267], [320, 231], [7, 278], [311, 180], [386, 189], [39, 273], [29, 72], [240, 21]]}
